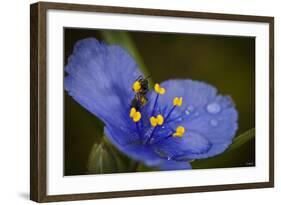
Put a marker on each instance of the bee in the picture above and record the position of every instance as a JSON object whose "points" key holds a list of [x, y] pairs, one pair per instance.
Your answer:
{"points": [[141, 88], [143, 82]]}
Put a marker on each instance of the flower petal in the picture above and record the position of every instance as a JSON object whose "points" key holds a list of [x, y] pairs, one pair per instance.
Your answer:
{"points": [[182, 148], [100, 77], [174, 165], [202, 113], [194, 93], [133, 148], [219, 129]]}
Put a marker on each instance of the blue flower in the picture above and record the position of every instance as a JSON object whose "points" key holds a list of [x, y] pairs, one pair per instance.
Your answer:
{"points": [[182, 120]]}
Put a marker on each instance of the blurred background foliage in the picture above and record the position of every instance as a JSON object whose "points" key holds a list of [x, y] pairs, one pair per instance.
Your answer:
{"points": [[227, 62]]}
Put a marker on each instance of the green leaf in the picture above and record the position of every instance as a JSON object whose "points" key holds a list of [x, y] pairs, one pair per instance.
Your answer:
{"points": [[226, 158], [124, 39], [104, 159], [242, 139], [144, 168], [100, 160]]}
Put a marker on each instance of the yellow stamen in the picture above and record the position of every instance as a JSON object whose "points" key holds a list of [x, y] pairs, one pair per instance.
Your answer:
{"points": [[179, 131], [135, 115], [177, 101], [160, 119], [154, 121], [136, 86], [132, 112], [158, 89]]}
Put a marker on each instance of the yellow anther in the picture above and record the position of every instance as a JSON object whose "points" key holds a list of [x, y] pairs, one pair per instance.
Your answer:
{"points": [[179, 131], [160, 119], [154, 121], [158, 89], [135, 115], [177, 101], [132, 112], [136, 86]]}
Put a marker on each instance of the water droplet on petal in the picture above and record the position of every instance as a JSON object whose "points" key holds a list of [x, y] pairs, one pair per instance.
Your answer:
{"points": [[169, 158], [214, 122], [190, 108], [187, 112], [213, 108]]}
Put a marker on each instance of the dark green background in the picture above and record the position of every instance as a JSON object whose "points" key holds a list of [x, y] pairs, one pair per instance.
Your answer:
{"points": [[226, 62]]}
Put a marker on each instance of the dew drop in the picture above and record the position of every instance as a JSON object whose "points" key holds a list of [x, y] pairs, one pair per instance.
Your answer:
{"points": [[213, 108], [214, 122], [169, 158], [190, 108]]}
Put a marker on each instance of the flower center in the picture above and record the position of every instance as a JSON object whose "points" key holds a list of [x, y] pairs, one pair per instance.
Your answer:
{"points": [[159, 126]]}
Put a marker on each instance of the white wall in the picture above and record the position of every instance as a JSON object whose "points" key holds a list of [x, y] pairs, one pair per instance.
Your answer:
{"points": [[14, 101]]}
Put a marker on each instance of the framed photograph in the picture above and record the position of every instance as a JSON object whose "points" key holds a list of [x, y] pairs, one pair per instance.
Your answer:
{"points": [[134, 102]]}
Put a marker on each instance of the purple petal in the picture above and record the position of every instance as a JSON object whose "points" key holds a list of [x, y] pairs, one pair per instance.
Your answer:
{"points": [[209, 117], [168, 165], [100, 79]]}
